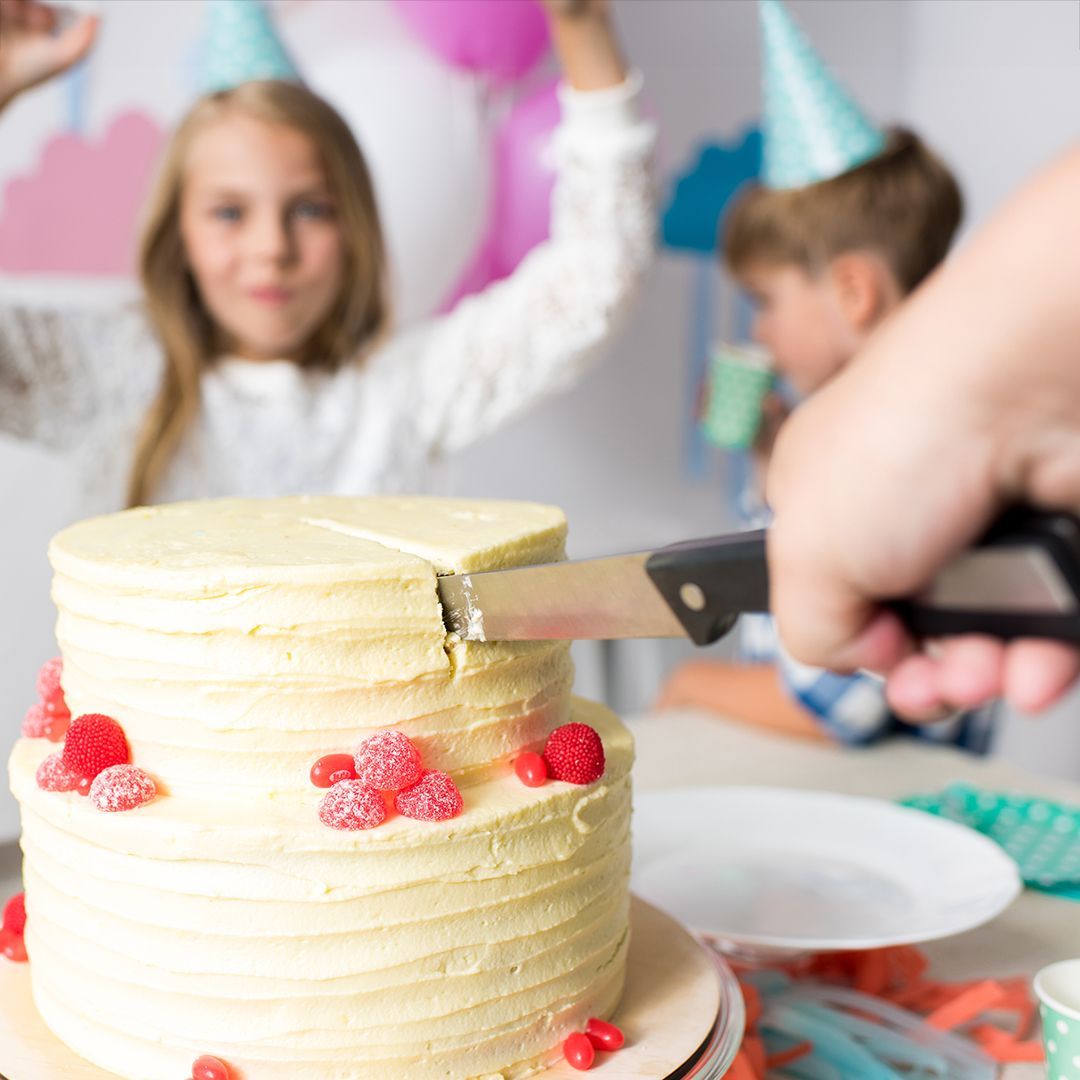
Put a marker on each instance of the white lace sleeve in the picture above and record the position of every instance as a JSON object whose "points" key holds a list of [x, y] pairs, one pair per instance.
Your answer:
{"points": [[63, 372], [521, 339]]}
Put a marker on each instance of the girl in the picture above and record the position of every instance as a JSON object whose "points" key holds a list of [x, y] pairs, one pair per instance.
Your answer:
{"points": [[262, 360]]}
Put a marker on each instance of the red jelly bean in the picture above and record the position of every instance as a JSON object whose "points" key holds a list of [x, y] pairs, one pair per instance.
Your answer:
{"points": [[604, 1036], [84, 785], [531, 769], [12, 946], [579, 1052], [327, 768], [209, 1068], [56, 726]]}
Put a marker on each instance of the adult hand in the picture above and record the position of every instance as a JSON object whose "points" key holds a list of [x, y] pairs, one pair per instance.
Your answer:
{"points": [[965, 400]]}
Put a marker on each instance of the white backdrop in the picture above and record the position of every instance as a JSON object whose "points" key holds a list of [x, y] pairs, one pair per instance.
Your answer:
{"points": [[993, 85]]}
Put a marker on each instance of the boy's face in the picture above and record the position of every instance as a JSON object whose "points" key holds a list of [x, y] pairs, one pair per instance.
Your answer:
{"points": [[802, 322]]}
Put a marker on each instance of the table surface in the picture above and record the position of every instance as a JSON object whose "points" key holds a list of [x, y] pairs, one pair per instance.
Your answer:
{"points": [[687, 749]]}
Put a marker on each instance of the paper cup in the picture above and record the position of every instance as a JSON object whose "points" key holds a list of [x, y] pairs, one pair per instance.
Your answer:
{"points": [[740, 377], [1058, 990]]}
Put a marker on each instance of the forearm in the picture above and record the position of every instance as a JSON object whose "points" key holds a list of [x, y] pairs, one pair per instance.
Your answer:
{"points": [[588, 50], [749, 693]]}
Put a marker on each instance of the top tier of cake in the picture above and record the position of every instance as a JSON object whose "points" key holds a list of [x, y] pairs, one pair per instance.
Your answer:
{"points": [[238, 640]]}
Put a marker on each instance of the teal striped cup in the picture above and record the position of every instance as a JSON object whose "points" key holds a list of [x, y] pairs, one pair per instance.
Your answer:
{"points": [[740, 376], [1058, 989]]}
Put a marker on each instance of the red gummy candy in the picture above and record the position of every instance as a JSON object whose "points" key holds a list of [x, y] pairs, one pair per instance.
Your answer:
{"points": [[83, 786], [13, 946], [579, 1052], [388, 761], [33, 725], [351, 804], [56, 726], [121, 787], [95, 742], [54, 775], [15, 914], [575, 753], [48, 681], [604, 1036], [209, 1068], [434, 798], [327, 768], [531, 769]]}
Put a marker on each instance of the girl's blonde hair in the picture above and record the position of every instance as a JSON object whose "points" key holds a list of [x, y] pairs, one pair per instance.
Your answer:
{"points": [[358, 317]]}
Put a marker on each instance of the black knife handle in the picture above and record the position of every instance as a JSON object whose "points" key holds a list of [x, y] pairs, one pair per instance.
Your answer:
{"points": [[1022, 579], [709, 583]]}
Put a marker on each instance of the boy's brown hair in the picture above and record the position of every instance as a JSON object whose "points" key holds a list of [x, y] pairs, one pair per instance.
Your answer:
{"points": [[904, 205]]}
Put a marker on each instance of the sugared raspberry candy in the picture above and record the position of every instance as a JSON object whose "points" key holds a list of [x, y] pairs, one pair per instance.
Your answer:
{"points": [[574, 753], [33, 725], [48, 680], [388, 761], [531, 769], [13, 946], [209, 1068], [579, 1052], [121, 787], [54, 775], [15, 914], [329, 770], [434, 798], [351, 804], [95, 742], [604, 1036]]}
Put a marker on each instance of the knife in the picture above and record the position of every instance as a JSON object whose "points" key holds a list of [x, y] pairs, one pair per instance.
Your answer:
{"points": [[1022, 579]]}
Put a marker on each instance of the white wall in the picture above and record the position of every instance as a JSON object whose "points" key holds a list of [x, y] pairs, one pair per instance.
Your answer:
{"points": [[993, 84]]}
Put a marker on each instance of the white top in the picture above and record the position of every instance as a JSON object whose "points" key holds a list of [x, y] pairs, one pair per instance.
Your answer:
{"points": [[82, 381]]}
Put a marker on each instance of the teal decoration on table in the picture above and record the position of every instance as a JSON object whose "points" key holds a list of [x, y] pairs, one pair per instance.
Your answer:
{"points": [[1043, 837], [814, 129], [240, 45]]}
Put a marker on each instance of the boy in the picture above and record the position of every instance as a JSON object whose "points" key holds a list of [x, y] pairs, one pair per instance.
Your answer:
{"points": [[846, 224]]}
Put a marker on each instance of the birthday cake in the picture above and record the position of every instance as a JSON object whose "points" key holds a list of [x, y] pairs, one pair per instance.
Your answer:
{"points": [[277, 819]]}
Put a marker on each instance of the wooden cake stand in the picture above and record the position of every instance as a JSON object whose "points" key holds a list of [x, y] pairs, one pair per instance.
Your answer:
{"points": [[673, 998]]}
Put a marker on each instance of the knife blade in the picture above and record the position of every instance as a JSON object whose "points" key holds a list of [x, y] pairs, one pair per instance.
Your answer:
{"points": [[1022, 579]]}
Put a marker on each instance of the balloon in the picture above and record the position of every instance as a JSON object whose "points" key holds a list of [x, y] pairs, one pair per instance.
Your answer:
{"points": [[521, 207], [430, 158], [502, 39], [524, 178]]}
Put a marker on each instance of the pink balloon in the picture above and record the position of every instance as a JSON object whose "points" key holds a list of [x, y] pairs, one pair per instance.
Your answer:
{"points": [[524, 178], [523, 182], [502, 39]]}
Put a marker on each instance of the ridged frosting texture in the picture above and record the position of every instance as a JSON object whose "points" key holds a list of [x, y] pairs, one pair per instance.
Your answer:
{"points": [[236, 641]]}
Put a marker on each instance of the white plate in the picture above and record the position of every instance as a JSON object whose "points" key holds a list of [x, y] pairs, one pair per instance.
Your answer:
{"points": [[787, 870]]}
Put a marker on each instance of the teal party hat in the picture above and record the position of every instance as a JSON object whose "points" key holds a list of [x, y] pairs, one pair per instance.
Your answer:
{"points": [[240, 45], [813, 128]]}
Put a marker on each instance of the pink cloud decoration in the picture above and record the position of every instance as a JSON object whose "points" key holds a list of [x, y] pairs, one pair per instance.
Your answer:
{"points": [[77, 212]]}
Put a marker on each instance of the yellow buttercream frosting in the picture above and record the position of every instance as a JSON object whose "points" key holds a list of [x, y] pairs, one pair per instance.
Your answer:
{"points": [[237, 641]]}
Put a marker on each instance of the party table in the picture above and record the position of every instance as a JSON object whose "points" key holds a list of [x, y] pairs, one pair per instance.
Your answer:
{"points": [[685, 748]]}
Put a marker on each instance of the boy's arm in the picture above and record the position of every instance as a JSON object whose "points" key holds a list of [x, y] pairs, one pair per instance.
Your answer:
{"points": [[749, 693]]}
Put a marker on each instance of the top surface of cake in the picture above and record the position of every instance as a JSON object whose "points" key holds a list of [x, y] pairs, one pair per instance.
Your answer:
{"points": [[335, 537]]}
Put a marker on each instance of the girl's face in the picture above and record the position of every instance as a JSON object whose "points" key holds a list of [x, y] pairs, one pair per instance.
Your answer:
{"points": [[261, 235], [801, 322]]}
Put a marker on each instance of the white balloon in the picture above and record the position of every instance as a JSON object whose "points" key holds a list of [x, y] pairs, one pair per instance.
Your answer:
{"points": [[425, 133]]}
